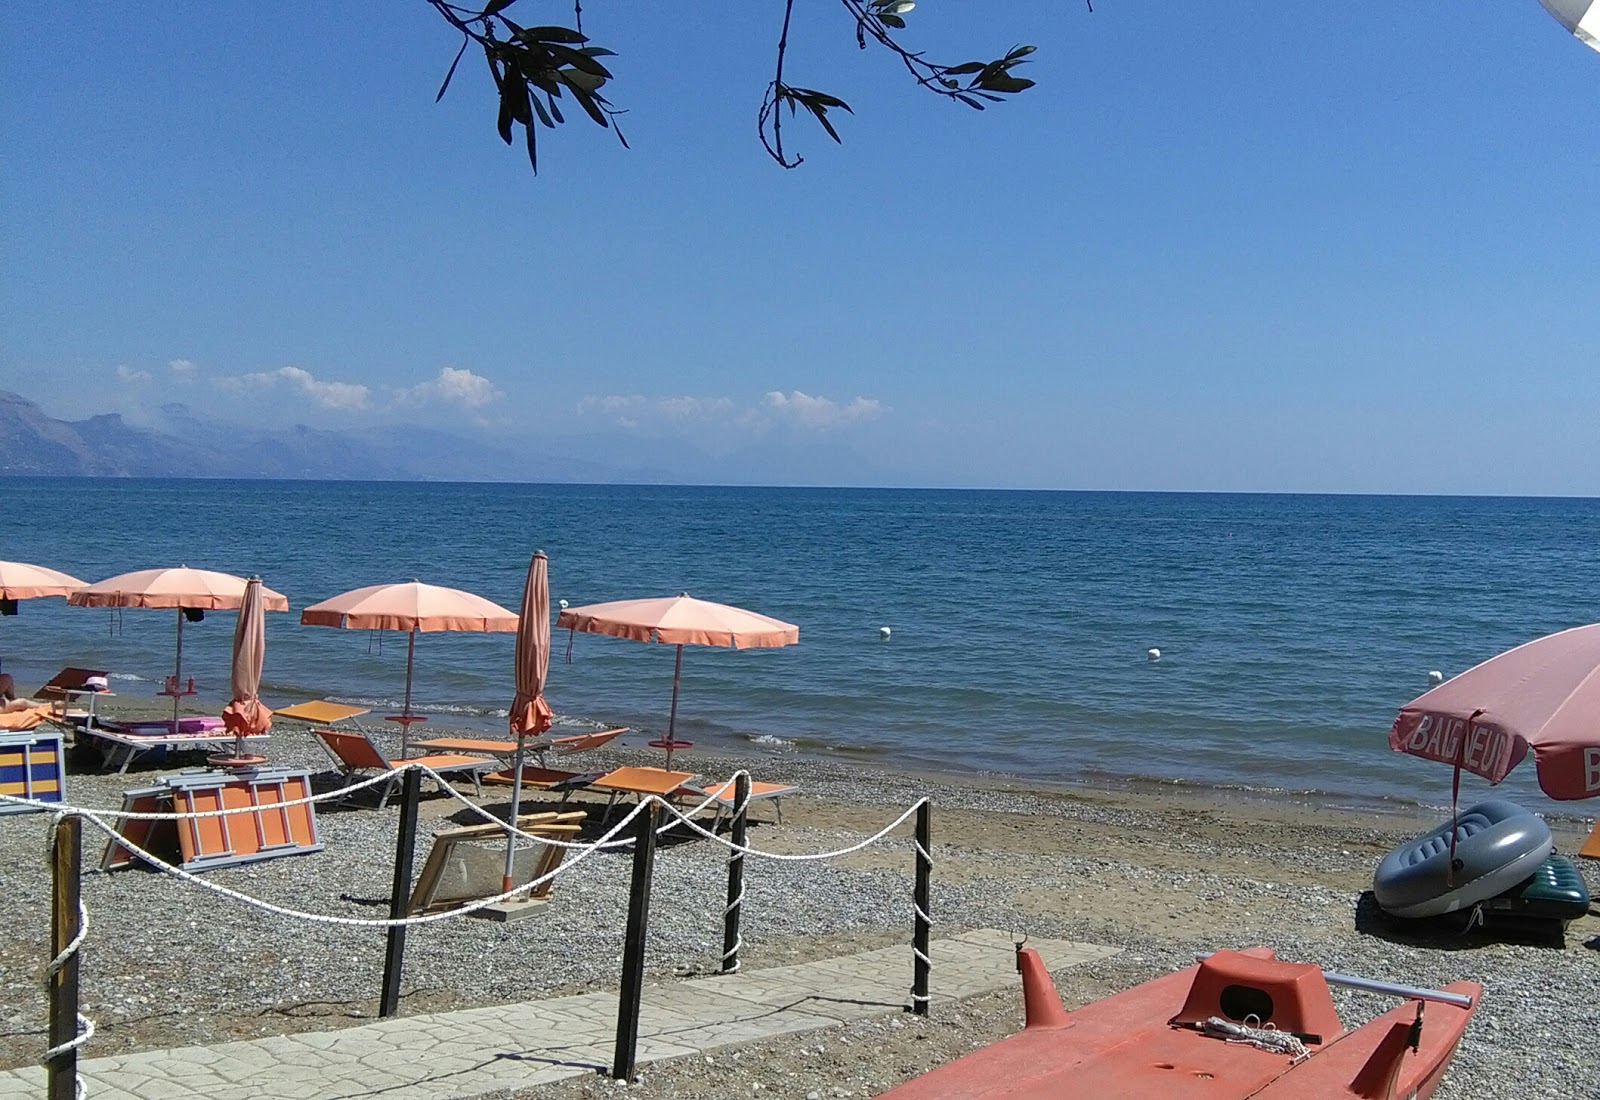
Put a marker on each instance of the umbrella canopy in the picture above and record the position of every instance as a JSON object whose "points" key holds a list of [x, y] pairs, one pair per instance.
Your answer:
{"points": [[21, 581], [245, 715], [1543, 695], [1581, 17], [411, 607], [182, 588], [530, 714], [680, 620]]}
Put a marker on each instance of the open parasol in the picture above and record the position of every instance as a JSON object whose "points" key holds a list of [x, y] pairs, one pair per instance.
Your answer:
{"points": [[191, 591], [21, 581], [680, 621], [412, 607]]}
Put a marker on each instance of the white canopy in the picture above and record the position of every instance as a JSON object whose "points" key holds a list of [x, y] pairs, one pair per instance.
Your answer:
{"points": [[1581, 17]]}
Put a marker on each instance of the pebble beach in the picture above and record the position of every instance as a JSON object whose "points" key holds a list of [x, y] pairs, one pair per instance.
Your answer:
{"points": [[1163, 873]]}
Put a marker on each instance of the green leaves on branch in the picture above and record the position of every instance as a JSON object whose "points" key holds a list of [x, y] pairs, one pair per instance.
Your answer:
{"points": [[991, 80], [533, 68], [815, 102]]}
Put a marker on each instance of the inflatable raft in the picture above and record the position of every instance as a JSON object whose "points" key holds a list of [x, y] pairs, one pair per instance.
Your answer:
{"points": [[1240, 1024], [1498, 845]]}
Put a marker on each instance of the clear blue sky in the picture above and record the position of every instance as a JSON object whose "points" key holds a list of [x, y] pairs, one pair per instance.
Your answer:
{"points": [[1224, 244]]}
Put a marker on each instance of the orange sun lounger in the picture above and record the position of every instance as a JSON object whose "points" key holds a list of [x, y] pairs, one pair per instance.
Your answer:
{"points": [[355, 756], [723, 793]]}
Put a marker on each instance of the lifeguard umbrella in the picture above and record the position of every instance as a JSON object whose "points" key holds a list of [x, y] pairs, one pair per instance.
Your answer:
{"points": [[680, 621], [412, 607], [1581, 17], [189, 590], [21, 581], [1543, 695], [530, 714], [245, 715]]}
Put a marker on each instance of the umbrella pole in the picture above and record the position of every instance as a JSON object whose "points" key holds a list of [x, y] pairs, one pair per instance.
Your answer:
{"points": [[405, 711], [516, 803], [177, 675], [672, 721]]}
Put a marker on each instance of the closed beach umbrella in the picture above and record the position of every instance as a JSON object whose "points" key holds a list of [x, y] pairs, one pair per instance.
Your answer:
{"points": [[530, 714], [412, 607], [1581, 17], [21, 581], [245, 716], [188, 590], [1543, 695], [680, 621]]}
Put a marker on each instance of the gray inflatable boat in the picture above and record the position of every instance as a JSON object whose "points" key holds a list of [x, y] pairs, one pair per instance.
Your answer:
{"points": [[1498, 844]]}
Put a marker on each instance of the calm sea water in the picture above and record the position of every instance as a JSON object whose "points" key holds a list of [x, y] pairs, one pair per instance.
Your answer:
{"points": [[1291, 627]]}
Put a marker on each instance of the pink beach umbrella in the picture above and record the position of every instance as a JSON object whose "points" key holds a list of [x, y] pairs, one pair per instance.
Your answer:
{"points": [[189, 590], [246, 716], [21, 581], [1543, 695], [530, 714], [412, 607], [680, 621]]}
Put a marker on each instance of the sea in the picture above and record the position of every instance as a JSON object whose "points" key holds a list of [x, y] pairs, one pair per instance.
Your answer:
{"points": [[1001, 632]]}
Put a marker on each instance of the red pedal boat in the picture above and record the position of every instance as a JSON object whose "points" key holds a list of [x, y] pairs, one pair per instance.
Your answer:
{"points": [[1239, 1024]]}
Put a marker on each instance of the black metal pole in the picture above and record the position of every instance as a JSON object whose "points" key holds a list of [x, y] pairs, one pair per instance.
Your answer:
{"points": [[644, 862], [66, 866], [919, 938], [405, 843], [730, 918]]}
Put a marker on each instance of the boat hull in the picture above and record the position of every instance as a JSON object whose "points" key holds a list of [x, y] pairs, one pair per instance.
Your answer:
{"points": [[1123, 1047]]}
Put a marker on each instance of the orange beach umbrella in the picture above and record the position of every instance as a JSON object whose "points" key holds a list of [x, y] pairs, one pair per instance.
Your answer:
{"points": [[245, 715], [680, 621], [530, 714], [188, 590], [412, 607], [21, 581]]}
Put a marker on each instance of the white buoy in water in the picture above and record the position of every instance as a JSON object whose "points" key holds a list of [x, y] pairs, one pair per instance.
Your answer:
{"points": [[563, 603], [1435, 677], [1153, 653], [883, 632]]}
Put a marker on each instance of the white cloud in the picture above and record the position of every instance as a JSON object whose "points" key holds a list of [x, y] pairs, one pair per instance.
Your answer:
{"points": [[132, 377], [347, 396], [630, 409], [821, 413], [456, 386], [182, 368]]}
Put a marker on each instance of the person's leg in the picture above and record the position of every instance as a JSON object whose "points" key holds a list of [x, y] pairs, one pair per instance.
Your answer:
{"points": [[8, 688]]}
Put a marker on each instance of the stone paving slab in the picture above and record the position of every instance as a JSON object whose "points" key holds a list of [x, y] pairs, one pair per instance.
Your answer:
{"points": [[439, 1056]]}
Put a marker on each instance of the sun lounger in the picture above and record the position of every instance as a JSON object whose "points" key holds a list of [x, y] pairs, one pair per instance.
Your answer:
{"points": [[356, 756], [724, 795], [121, 742], [320, 712], [63, 689], [639, 782], [556, 780]]}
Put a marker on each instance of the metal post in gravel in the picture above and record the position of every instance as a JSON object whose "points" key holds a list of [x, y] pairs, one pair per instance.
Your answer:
{"points": [[644, 862], [922, 904], [730, 915], [66, 864], [405, 844]]}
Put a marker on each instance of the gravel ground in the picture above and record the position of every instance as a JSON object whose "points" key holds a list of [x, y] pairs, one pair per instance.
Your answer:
{"points": [[1164, 874]]}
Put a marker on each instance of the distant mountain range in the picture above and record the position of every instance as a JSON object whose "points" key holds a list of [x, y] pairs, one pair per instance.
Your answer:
{"points": [[181, 445]]}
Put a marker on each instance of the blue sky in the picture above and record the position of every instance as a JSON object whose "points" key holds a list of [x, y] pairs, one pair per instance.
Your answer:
{"points": [[1231, 245]]}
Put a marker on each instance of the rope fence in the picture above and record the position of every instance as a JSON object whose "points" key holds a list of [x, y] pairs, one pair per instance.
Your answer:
{"points": [[651, 816]]}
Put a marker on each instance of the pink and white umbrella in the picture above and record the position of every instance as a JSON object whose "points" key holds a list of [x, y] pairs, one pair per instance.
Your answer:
{"points": [[1543, 695]]}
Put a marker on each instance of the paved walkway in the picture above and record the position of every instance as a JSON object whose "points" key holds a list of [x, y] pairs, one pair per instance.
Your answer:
{"points": [[451, 1054]]}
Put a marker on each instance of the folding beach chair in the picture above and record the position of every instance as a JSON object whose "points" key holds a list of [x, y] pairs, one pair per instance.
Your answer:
{"points": [[355, 756], [65, 688], [725, 794]]}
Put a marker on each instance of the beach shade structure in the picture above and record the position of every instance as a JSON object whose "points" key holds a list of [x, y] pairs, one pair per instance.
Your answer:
{"points": [[530, 714], [1581, 17], [245, 716], [191, 591], [680, 621], [1543, 695], [412, 607], [21, 581]]}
